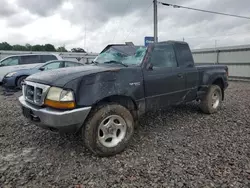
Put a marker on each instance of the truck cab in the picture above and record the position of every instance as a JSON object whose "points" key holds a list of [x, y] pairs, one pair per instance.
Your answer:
{"points": [[171, 66]]}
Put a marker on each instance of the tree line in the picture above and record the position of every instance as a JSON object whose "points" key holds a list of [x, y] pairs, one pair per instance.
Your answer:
{"points": [[37, 47]]}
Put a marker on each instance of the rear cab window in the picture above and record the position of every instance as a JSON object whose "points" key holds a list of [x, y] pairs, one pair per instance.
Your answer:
{"points": [[184, 55]]}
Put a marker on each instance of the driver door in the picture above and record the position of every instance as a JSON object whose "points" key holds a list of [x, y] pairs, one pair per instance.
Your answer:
{"points": [[165, 81]]}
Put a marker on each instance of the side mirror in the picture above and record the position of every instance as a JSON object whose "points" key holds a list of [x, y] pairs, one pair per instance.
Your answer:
{"points": [[149, 66], [41, 68]]}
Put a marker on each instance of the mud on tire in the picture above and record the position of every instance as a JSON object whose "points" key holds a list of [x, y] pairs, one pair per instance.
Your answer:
{"points": [[102, 119]]}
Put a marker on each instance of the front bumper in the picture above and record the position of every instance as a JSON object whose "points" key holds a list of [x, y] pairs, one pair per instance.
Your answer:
{"points": [[69, 121], [9, 82]]}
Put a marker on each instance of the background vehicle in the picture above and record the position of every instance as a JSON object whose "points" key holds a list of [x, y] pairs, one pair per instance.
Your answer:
{"points": [[17, 62], [104, 100], [14, 79]]}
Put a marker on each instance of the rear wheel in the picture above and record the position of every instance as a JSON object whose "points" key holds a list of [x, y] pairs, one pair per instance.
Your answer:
{"points": [[212, 101], [108, 130], [20, 81]]}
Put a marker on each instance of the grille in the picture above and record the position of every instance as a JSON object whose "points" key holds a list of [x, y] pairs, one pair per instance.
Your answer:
{"points": [[35, 93]]}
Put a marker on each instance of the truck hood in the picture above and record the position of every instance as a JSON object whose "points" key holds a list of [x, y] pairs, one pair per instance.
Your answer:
{"points": [[60, 77]]}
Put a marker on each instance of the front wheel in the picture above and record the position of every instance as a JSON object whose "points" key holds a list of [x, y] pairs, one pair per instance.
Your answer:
{"points": [[108, 130], [20, 81], [212, 100]]}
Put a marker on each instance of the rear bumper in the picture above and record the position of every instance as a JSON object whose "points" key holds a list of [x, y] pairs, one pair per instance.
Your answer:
{"points": [[69, 121]]}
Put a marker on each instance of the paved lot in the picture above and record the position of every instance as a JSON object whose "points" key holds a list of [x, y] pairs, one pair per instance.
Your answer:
{"points": [[178, 147]]}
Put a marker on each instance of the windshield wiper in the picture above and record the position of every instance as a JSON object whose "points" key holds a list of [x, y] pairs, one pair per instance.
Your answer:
{"points": [[116, 62]]}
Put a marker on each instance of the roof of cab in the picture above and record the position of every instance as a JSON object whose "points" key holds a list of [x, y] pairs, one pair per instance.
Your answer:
{"points": [[172, 42]]}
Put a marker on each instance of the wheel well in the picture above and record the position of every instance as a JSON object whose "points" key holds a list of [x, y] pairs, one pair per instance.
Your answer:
{"points": [[125, 101], [219, 82], [20, 77]]}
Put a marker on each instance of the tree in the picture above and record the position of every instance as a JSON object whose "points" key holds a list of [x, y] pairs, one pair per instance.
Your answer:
{"points": [[78, 50], [49, 48], [28, 47], [38, 47], [18, 47], [62, 49], [5, 46]]}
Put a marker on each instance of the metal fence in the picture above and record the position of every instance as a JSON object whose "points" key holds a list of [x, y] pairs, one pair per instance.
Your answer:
{"points": [[237, 58], [81, 57]]}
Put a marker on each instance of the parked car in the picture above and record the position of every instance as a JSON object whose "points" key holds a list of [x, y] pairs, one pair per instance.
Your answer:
{"points": [[15, 79], [16, 62], [104, 100]]}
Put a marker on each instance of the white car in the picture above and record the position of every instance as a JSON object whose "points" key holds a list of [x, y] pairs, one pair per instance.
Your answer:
{"points": [[16, 62]]}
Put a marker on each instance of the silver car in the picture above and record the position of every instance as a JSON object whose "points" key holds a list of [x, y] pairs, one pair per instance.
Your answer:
{"points": [[17, 62]]}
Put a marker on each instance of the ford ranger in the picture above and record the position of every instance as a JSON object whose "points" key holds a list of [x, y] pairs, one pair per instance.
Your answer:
{"points": [[104, 99]]}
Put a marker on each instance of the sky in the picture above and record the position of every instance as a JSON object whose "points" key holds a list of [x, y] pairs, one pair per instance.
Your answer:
{"points": [[101, 22]]}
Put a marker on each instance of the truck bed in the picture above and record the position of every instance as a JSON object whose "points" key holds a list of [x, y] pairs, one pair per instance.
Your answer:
{"points": [[206, 72], [209, 66]]}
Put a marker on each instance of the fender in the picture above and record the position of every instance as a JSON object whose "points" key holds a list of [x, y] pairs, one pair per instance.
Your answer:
{"points": [[91, 89]]}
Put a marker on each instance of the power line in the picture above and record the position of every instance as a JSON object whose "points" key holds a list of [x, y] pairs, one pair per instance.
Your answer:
{"points": [[201, 10], [129, 2], [145, 10]]}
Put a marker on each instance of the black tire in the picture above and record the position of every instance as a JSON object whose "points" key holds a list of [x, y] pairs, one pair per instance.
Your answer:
{"points": [[90, 129], [19, 82], [208, 104]]}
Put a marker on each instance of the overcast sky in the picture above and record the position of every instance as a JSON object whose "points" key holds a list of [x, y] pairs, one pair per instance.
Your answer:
{"points": [[65, 22]]}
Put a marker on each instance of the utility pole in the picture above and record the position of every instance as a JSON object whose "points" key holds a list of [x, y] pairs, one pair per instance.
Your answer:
{"points": [[155, 22], [85, 35]]}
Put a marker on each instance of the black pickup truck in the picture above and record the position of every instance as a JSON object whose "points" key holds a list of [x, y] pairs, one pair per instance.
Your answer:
{"points": [[104, 99]]}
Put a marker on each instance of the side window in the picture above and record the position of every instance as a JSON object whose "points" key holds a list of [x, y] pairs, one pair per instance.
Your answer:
{"points": [[30, 59], [184, 55], [45, 58], [10, 61], [71, 64], [163, 56], [51, 66]]}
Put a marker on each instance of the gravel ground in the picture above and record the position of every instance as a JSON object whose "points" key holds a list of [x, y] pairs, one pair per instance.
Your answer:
{"points": [[178, 147]]}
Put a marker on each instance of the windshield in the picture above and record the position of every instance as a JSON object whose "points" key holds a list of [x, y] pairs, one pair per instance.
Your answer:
{"points": [[130, 55]]}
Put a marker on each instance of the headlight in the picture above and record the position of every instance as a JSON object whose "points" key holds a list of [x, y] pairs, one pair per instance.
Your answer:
{"points": [[10, 74], [60, 98]]}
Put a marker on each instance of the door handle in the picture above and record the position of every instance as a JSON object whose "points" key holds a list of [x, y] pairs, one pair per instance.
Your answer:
{"points": [[180, 75]]}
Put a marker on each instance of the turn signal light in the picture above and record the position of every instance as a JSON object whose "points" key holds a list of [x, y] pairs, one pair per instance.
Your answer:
{"points": [[60, 105]]}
